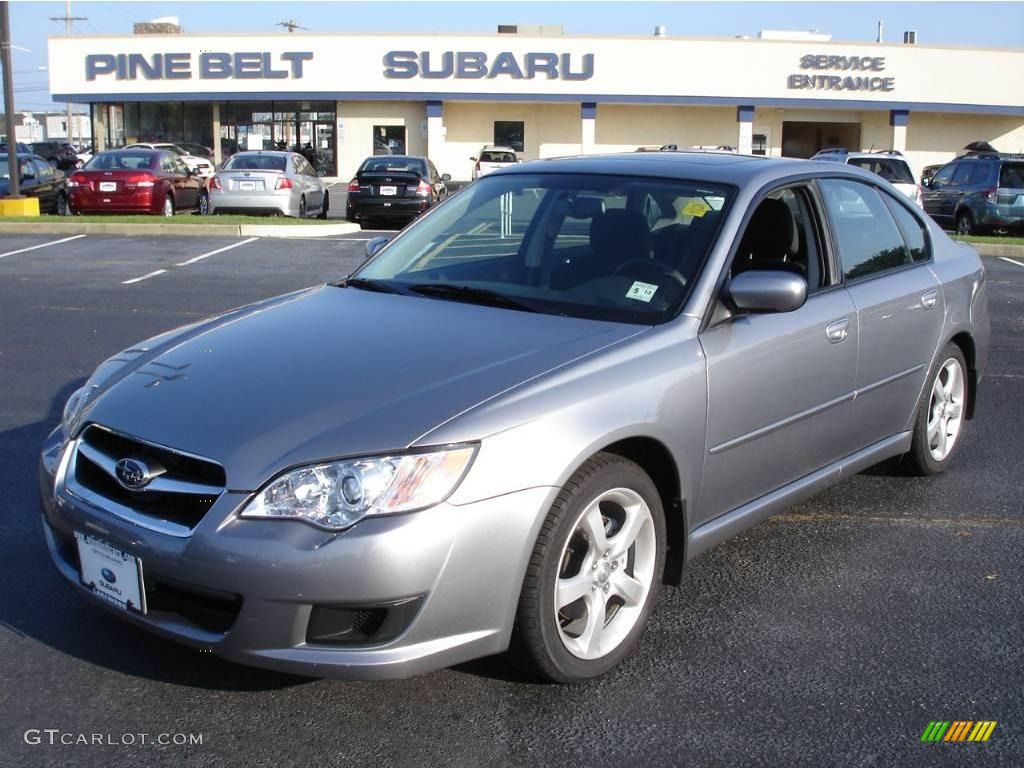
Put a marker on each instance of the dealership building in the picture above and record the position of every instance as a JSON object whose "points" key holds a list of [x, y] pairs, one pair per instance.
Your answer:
{"points": [[542, 91]]}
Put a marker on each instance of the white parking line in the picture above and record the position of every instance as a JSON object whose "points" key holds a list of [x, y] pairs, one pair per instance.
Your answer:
{"points": [[144, 277], [1012, 261], [42, 245], [194, 259]]}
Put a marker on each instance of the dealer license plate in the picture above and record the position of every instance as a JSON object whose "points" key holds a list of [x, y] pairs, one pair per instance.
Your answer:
{"points": [[389, 190], [108, 186], [247, 186], [112, 574]]}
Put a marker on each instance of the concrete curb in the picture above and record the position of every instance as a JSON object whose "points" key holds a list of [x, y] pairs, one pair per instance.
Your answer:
{"points": [[177, 230], [999, 249]]}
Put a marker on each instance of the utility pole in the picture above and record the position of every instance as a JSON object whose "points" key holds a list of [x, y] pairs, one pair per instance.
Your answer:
{"points": [[290, 25], [67, 18], [13, 170]]}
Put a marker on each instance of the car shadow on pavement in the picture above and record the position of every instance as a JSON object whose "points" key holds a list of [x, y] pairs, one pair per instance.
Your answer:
{"points": [[40, 606]]}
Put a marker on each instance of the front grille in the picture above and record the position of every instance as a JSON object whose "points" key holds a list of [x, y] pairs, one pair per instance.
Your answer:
{"points": [[207, 609], [181, 495]]}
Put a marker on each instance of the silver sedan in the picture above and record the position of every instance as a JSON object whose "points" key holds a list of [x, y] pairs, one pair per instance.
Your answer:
{"points": [[274, 183], [520, 418]]}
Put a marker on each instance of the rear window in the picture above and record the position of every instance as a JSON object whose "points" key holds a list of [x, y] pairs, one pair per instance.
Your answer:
{"points": [[244, 162], [122, 161], [397, 164], [497, 157], [1011, 176], [890, 169]]}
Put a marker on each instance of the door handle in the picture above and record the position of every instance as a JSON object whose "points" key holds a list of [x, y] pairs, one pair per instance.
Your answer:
{"points": [[838, 331], [928, 298]]}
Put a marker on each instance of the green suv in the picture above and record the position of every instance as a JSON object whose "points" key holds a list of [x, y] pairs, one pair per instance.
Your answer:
{"points": [[978, 192]]}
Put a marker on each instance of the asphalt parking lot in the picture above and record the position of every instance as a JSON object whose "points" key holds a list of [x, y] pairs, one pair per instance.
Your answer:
{"points": [[828, 636]]}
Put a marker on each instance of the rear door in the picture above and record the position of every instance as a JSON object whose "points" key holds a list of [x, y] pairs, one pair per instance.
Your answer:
{"points": [[779, 384], [1010, 194], [46, 183], [885, 258]]}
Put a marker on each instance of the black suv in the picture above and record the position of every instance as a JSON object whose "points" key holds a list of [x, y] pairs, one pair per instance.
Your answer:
{"points": [[978, 192], [60, 154]]}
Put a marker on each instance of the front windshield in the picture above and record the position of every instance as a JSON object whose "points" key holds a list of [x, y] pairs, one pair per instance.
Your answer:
{"points": [[616, 248]]}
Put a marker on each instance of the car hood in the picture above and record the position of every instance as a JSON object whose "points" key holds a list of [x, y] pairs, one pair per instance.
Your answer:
{"points": [[330, 372]]}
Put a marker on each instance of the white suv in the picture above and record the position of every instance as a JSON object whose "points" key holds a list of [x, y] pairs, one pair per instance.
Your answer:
{"points": [[491, 158], [889, 165]]}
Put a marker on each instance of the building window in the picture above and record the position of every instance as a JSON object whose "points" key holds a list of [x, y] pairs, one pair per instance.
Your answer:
{"points": [[759, 144], [389, 139], [509, 133]]}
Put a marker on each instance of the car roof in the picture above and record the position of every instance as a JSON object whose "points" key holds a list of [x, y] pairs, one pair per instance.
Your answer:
{"points": [[265, 152], [397, 157], [724, 167]]}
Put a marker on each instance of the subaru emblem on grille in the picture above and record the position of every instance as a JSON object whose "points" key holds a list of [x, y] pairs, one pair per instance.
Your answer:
{"points": [[132, 474]]}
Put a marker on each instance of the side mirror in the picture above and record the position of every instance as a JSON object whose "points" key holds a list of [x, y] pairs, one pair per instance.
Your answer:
{"points": [[446, 177], [926, 182], [473, 159], [768, 290], [28, 177], [374, 244]]}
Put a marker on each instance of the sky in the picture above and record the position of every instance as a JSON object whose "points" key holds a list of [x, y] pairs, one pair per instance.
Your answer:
{"points": [[998, 24]]}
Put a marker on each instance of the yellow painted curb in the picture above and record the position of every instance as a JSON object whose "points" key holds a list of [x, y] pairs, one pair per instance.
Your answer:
{"points": [[19, 206]]}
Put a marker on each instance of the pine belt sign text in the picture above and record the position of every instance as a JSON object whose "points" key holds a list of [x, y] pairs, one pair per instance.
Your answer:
{"points": [[210, 65]]}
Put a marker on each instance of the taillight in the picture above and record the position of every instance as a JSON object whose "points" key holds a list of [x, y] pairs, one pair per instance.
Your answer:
{"points": [[283, 183], [78, 180], [991, 195], [141, 180], [353, 186], [215, 183], [423, 189]]}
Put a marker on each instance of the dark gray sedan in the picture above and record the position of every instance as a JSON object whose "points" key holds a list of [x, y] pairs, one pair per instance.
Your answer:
{"points": [[520, 418]]}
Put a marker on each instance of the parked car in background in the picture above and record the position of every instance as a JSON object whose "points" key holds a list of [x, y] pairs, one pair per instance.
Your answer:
{"points": [[60, 154], [891, 166], [134, 181], [491, 158], [519, 418], [20, 148], [266, 182], [197, 150], [38, 179], [394, 188], [200, 166], [978, 192], [927, 172]]}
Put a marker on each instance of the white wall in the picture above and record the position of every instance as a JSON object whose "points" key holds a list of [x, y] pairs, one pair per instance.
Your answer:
{"points": [[355, 129]]}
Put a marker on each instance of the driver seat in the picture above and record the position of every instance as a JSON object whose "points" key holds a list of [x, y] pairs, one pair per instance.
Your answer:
{"points": [[618, 236], [771, 240]]}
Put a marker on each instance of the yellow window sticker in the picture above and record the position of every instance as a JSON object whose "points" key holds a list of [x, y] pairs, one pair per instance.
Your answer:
{"points": [[696, 208]]}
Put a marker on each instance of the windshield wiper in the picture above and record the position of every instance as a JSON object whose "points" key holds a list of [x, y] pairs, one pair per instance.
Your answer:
{"points": [[471, 295], [369, 284]]}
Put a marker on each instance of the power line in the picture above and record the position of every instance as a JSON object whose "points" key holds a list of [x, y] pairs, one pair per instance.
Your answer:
{"points": [[290, 25]]}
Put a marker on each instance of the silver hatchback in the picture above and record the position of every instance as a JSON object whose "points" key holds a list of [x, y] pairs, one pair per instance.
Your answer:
{"points": [[275, 183], [519, 418]]}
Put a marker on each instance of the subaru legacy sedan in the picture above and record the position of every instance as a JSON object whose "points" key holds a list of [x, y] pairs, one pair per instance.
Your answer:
{"points": [[519, 417]]}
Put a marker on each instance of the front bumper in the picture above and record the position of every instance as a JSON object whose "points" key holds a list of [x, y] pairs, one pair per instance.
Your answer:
{"points": [[461, 565]]}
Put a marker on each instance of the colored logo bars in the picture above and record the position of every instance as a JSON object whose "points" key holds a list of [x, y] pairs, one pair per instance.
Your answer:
{"points": [[958, 730]]}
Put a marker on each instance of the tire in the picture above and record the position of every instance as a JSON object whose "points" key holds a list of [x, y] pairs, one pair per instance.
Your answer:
{"points": [[204, 204], [965, 223], [324, 207], [60, 207], [302, 207], [168, 209], [940, 417], [563, 643], [350, 215]]}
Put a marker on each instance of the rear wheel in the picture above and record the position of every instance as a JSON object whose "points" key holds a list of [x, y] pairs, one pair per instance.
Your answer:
{"points": [[61, 206], [302, 207], [168, 206], [594, 573], [325, 207], [940, 415], [965, 223]]}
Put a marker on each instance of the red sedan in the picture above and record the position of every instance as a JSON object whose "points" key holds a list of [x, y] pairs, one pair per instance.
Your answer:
{"points": [[134, 181]]}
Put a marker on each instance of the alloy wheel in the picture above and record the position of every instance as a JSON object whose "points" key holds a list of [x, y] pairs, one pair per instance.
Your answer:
{"points": [[945, 409], [605, 574]]}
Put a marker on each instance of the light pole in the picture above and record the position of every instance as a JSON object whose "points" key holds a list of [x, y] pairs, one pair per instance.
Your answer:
{"points": [[12, 140]]}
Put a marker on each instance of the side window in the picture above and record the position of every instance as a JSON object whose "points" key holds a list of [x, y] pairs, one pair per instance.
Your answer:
{"points": [[865, 233], [945, 175], [962, 173], [782, 235], [179, 167], [913, 230], [979, 174], [433, 171], [43, 169], [166, 163]]}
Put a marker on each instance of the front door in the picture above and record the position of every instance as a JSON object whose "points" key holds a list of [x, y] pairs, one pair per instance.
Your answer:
{"points": [[779, 384]]}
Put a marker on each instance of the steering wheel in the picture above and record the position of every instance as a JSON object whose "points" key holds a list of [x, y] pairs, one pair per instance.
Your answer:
{"points": [[650, 270]]}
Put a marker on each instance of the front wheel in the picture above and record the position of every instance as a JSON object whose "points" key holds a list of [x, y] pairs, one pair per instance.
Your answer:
{"points": [[302, 207], [324, 207], [594, 573], [204, 204], [940, 415], [62, 205]]}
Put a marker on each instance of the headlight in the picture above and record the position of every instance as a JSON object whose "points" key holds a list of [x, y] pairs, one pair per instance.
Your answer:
{"points": [[74, 406], [339, 494]]}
